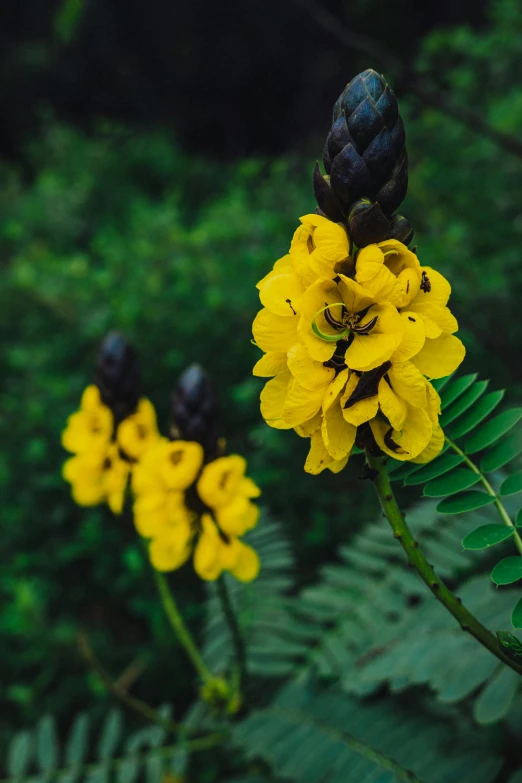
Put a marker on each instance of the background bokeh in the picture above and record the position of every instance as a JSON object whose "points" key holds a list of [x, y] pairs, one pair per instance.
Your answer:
{"points": [[155, 158]]}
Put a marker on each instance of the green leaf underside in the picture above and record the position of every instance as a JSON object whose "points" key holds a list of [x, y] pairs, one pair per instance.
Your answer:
{"points": [[433, 469], [452, 482], [511, 485], [404, 469], [516, 617], [502, 453], [493, 430], [478, 413], [486, 536], [507, 571], [518, 518], [463, 403], [465, 501], [458, 387]]}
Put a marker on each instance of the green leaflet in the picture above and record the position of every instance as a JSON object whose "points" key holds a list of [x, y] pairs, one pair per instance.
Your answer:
{"points": [[486, 536], [463, 403], [454, 390], [507, 571], [516, 616], [518, 518], [494, 702], [110, 735], [20, 754], [511, 485], [437, 467], [455, 481], [465, 501], [478, 413], [47, 751], [503, 452], [491, 431]]}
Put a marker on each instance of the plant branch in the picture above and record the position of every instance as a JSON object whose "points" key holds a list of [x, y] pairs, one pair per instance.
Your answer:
{"points": [[237, 639], [489, 489], [181, 630], [117, 690], [466, 620]]}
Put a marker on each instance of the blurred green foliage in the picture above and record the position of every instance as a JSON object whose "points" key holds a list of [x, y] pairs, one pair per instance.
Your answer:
{"points": [[120, 229]]}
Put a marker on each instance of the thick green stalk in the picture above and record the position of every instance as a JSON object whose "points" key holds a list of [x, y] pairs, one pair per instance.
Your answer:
{"points": [[506, 519], [235, 632], [181, 630], [467, 621]]}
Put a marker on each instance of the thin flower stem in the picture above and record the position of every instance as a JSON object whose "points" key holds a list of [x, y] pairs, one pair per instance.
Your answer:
{"points": [[467, 621], [117, 690], [181, 630], [489, 489], [237, 639]]}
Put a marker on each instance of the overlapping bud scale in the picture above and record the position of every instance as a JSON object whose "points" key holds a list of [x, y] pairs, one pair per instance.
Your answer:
{"points": [[350, 341]]}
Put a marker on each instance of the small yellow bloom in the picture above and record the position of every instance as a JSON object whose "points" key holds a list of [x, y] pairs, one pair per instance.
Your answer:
{"points": [[98, 477], [215, 553], [90, 428], [389, 271], [318, 247], [139, 431]]}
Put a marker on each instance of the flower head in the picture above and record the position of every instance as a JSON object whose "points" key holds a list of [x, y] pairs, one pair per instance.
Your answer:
{"points": [[348, 343], [186, 507]]}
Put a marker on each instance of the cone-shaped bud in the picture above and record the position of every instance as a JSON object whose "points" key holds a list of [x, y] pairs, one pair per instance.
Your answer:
{"points": [[194, 409], [401, 229], [365, 154], [118, 376], [326, 199], [367, 223]]}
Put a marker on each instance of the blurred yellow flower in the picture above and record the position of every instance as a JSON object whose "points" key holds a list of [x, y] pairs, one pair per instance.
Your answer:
{"points": [[139, 431], [98, 477], [90, 428], [184, 507]]}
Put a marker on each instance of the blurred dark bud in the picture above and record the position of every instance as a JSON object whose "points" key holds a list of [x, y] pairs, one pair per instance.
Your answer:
{"points": [[367, 223], [365, 154], [194, 410], [401, 229], [118, 376]]}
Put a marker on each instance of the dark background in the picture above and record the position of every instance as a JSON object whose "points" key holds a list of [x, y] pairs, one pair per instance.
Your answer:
{"points": [[155, 158]]}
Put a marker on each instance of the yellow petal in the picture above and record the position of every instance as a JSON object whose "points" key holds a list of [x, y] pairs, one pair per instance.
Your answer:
{"points": [[318, 457], [355, 297], [410, 441], [369, 351], [248, 489], [408, 383], [440, 357], [301, 404], [335, 388], [271, 363], [171, 551], [247, 565], [439, 292], [281, 266], [315, 299], [361, 411], [282, 294], [307, 428], [433, 448], [220, 480], [91, 398], [392, 406], [434, 403], [180, 463], [338, 434], [207, 559], [273, 399], [238, 516], [306, 371], [139, 431], [413, 337], [274, 332], [337, 465]]}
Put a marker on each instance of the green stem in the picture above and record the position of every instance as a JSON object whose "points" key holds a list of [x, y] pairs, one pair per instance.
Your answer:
{"points": [[235, 632], [181, 630], [489, 489], [467, 621]]}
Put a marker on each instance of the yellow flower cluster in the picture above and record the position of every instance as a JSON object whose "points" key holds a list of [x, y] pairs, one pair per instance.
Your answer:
{"points": [[184, 506], [351, 340], [104, 454]]}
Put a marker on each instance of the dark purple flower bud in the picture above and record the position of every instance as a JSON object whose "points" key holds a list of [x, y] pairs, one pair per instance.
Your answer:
{"points": [[195, 411], [118, 376]]}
